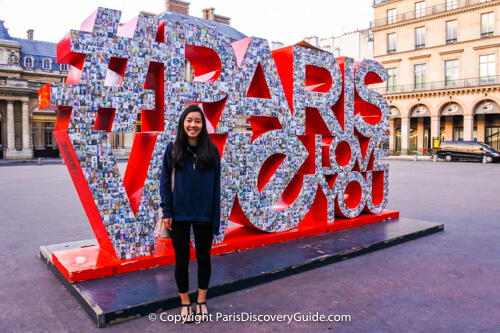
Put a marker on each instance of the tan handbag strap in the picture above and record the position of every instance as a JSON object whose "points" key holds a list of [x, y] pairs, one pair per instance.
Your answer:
{"points": [[172, 180]]}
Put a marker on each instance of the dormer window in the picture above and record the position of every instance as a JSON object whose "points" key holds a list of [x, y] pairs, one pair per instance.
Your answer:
{"points": [[29, 62], [64, 67], [46, 64]]}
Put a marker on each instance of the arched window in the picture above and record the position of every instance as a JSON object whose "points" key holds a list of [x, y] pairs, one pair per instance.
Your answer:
{"points": [[28, 62], [46, 64]]}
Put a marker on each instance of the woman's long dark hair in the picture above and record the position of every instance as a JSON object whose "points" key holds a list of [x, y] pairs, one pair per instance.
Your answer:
{"points": [[206, 157]]}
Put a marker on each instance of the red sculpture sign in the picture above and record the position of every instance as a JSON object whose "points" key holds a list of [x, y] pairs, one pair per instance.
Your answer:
{"points": [[309, 165]]}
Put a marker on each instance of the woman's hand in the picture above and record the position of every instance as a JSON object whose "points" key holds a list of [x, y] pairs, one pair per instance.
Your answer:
{"points": [[168, 223]]}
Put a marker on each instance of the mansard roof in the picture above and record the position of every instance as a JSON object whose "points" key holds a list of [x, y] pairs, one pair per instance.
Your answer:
{"points": [[37, 47], [225, 29], [4, 32]]}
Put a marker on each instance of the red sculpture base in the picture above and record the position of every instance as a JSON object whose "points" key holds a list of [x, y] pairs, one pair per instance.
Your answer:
{"points": [[87, 263]]}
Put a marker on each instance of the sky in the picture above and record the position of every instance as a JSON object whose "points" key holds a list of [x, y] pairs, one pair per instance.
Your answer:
{"points": [[286, 21]]}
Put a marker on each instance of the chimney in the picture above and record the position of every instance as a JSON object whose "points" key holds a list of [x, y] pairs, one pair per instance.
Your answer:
{"points": [[177, 6], [209, 14], [30, 33]]}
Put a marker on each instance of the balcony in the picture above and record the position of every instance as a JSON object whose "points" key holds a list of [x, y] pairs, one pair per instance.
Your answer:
{"points": [[440, 85], [419, 46], [422, 13], [487, 34], [451, 41]]}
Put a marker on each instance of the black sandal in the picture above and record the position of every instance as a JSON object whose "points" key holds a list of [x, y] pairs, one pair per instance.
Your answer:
{"points": [[204, 315], [187, 319]]}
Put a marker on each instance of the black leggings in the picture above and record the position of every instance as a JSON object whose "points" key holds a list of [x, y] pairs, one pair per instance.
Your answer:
{"points": [[203, 243]]}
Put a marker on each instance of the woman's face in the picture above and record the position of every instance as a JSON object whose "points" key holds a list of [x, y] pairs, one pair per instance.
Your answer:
{"points": [[193, 124]]}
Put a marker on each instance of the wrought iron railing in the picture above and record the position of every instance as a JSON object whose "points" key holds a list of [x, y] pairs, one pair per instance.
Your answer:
{"points": [[487, 34], [444, 7], [440, 85]]}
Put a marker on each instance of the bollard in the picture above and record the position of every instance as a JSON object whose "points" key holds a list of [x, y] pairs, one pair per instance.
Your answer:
{"points": [[39, 162], [415, 158], [435, 158], [484, 159]]}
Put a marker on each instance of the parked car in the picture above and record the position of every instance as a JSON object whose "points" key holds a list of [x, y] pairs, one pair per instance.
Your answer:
{"points": [[467, 150]]}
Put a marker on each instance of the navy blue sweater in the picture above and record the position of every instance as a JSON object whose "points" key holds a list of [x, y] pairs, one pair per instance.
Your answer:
{"points": [[196, 195]]}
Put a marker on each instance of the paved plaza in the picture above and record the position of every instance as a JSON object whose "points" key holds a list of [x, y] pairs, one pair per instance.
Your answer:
{"points": [[445, 282]]}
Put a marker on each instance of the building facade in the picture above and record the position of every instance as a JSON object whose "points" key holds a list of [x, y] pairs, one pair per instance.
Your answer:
{"points": [[356, 44], [25, 66], [442, 61]]}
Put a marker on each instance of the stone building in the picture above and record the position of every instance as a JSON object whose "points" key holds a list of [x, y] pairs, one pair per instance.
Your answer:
{"points": [[442, 58], [27, 64]]}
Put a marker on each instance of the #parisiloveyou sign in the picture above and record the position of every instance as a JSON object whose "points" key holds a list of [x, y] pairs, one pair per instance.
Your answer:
{"points": [[312, 154]]}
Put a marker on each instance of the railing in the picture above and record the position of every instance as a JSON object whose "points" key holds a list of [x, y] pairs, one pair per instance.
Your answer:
{"points": [[451, 41], [444, 7], [419, 46], [440, 85]]}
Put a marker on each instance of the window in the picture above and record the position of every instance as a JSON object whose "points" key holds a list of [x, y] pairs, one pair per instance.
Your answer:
{"points": [[392, 82], [46, 64], [420, 76], [458, 134], [451, 73], [391, 43], [419, 9], [493, 137], [487, 25], [48, 129], [391, 16], [419, 38], [28, 62], [451, 4], [64, 67], [487, 68], [451, 32]]}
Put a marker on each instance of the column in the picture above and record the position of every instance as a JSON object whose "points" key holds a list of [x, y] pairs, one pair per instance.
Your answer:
{"points": [[420, 133], [392, 136], [481, 130], [11, 135], [435, 127], [405, 135], [468, 127], [26, 127]]}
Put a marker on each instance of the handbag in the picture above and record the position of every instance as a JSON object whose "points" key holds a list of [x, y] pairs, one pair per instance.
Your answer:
{"points": [[160, 230]]}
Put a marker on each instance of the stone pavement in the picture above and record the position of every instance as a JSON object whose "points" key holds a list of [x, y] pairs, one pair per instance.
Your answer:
{"points": [[447, 282]]}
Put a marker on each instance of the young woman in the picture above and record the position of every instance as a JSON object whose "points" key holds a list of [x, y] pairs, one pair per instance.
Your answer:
{"points": [[192, 163]]}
